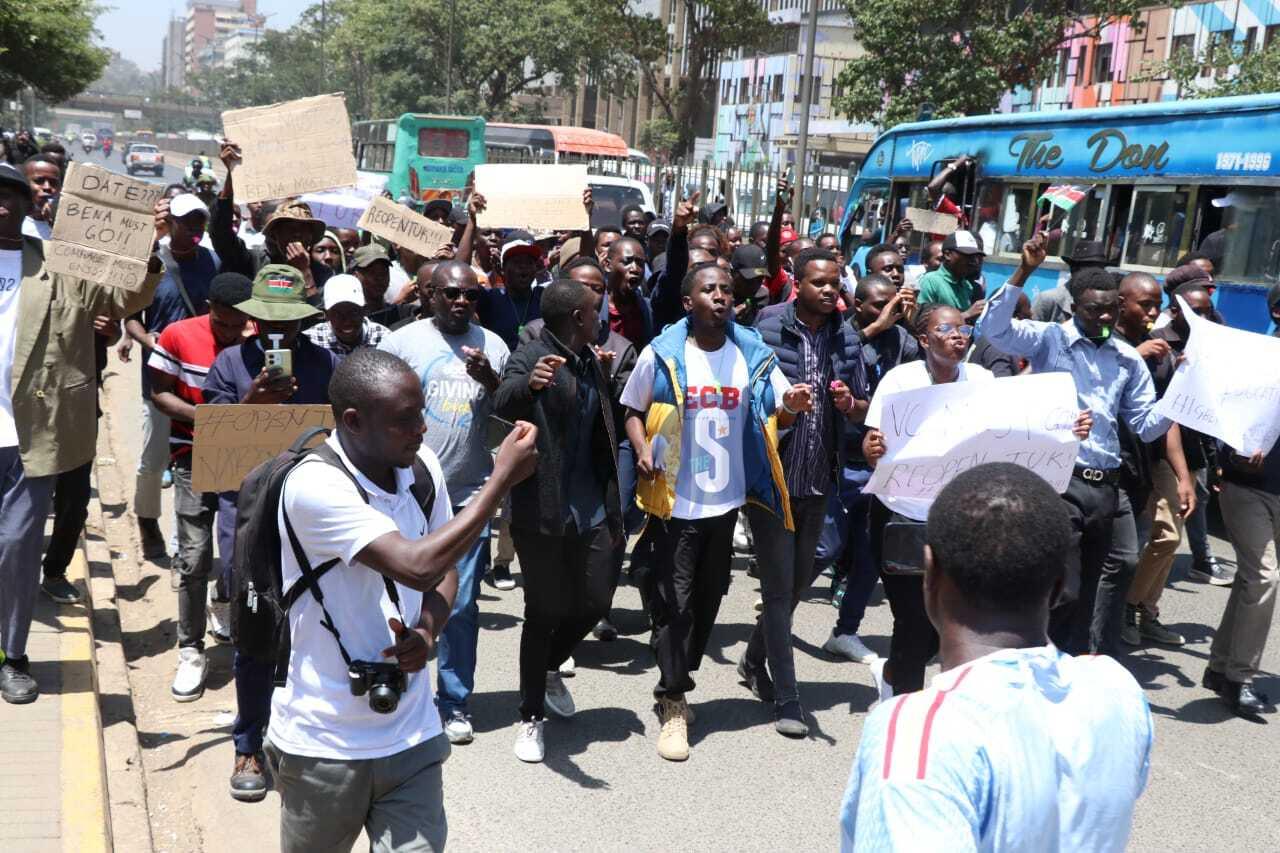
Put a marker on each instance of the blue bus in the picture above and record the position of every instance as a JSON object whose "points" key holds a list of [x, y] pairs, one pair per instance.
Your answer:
{"points": [[1155, 181]]}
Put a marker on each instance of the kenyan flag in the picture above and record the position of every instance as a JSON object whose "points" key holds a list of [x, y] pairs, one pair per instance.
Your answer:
{"points": [[1065, 196]]}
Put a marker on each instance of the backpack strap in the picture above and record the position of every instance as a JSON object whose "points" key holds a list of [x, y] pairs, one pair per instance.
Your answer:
{"points": [[310, 581], [423, 488]]}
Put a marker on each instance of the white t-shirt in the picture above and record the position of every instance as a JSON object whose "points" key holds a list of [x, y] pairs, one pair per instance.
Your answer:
{"points": [[908, 377], [711, 480], [37, 228], [10, 287], [314, 714]]}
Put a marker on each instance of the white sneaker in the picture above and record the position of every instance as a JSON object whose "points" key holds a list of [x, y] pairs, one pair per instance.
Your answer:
{"points": [[188, 683], [741, 538], [568, 668], [218, 615], [558, 701], [883, 688], [529, 747], [849, 646], [458, 728]]}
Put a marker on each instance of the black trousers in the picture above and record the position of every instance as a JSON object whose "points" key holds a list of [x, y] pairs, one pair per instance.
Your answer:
{"points": [[568, 586], [1087, 616], [70, 510], [914, 641], [690, 577]]}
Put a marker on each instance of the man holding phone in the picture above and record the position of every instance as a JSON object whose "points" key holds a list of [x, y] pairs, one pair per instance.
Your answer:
{"points": [[277, 365], [459, 363]]}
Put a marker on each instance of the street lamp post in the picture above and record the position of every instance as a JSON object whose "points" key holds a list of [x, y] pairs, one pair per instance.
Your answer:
{"points": [[448, 62], [806, 101]]}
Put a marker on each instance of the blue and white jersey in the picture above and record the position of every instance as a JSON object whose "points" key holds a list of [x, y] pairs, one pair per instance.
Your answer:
{"points": [[1024, 749]]}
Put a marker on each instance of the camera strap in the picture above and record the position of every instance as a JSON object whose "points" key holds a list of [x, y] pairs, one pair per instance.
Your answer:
{"points": [[310, 579]]}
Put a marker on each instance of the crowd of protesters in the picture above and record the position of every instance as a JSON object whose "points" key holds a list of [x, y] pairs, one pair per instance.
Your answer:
{"points": [[655, 395]]}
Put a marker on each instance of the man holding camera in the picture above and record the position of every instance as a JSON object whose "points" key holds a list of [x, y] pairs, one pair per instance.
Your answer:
{"points": [[355, 741]]}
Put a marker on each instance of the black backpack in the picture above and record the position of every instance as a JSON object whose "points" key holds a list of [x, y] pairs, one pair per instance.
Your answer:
{"points": [[259, 603]]}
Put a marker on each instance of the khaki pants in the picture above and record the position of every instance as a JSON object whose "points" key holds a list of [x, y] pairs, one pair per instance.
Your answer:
{"points": [[1166, 534], [1252, 517]]}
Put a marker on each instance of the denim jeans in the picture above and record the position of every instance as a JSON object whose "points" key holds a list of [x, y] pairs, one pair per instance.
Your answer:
{"points": [[24, 503], [1197, 525], [861, 572], [152, 462], [195, 513], [456, 664], [786, 571]]}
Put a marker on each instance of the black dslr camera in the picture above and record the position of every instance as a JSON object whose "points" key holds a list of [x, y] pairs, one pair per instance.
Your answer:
{"points": [[384, 682]]}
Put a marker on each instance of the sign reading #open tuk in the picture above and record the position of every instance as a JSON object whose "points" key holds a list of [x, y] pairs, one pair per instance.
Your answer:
{"points": [[105, 227], [233, 439], [404, 227], [291, 148]]}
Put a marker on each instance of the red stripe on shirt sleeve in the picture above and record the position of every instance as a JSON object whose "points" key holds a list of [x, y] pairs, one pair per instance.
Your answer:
{"points": [[928, 723], [893, 730]]}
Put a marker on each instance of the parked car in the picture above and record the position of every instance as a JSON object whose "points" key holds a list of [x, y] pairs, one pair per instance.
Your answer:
{"points": [[141, 157]]}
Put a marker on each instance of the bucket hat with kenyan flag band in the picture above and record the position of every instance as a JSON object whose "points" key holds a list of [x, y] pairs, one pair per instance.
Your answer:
{"points": [[279, 295]]}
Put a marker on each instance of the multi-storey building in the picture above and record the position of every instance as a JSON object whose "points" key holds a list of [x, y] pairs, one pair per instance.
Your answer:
{"points": [[209, 24]]}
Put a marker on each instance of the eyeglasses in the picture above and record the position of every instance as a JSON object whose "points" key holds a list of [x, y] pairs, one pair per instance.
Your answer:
{"points": [[965, 330], [471, 294]]}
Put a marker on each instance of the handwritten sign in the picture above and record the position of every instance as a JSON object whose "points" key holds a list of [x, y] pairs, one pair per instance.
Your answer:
{"points": [[932, 222], [405, 228], [934, 433], [291, 148], [105, 227], [532, 196], [1228, 386], [233, 439]]}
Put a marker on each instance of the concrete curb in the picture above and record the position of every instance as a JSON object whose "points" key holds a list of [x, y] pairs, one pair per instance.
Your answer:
{"points": [[127, 786]]}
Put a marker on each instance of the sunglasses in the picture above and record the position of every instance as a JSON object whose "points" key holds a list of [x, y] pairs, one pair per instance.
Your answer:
{"points": [[472, 294], [965, 330]]}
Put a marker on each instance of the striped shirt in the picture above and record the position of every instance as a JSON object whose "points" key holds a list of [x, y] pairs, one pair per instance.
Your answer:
{"points": [[1024, 749], [807, 451], [185, 351]]}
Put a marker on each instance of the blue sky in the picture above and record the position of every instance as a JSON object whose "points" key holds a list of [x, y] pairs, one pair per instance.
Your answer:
{"points": [[136, 27]]}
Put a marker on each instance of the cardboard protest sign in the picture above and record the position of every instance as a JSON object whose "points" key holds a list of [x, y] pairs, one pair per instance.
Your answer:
{"points": [[934, 433], [403, 227], [105, 227], [932, 222], [291, 148], [233, 439], [533, 196], [1228, 385]]}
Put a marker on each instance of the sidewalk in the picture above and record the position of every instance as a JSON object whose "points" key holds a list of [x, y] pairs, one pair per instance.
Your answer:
{"points": [[52, 777]]}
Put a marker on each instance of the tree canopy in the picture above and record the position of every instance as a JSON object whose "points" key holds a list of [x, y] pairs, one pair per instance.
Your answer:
{"points": [[959, 56], [1230, 71], [49, 46]]}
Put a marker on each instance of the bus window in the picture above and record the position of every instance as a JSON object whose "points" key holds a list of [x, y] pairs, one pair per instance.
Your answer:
{"points": [[1243, 240], [867, 217], [1080, 223], [1004, 218], [444, 142], [1158, 217]]}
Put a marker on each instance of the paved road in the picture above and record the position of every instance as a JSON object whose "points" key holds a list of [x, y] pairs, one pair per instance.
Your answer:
{"points": [[603, 786], [173, 169]]}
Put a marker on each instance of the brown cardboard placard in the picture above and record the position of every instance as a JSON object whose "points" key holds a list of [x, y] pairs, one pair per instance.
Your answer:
{"points": [[404, 227], [932, 222], [232, 439], [534, 196], [105, 227], [291, 148]]}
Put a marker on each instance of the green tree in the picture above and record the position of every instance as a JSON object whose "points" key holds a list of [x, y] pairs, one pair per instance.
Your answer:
{"points": [[713, 30], [1219, 70], [123, 77], [960, 56], [659, 136], [49, 46]]}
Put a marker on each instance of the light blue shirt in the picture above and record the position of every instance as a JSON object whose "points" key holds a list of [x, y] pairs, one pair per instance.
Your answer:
{"points": [[1021, 750], [1112, 381]]}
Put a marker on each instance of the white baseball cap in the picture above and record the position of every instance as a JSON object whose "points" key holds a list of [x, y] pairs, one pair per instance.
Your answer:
{"points": [[1236, 199], [343, 288], [181, 205]]}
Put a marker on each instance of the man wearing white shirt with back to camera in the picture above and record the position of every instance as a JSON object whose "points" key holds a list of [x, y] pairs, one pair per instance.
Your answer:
{"points": [[704, 403], [343, 763], [1015, 745]]}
